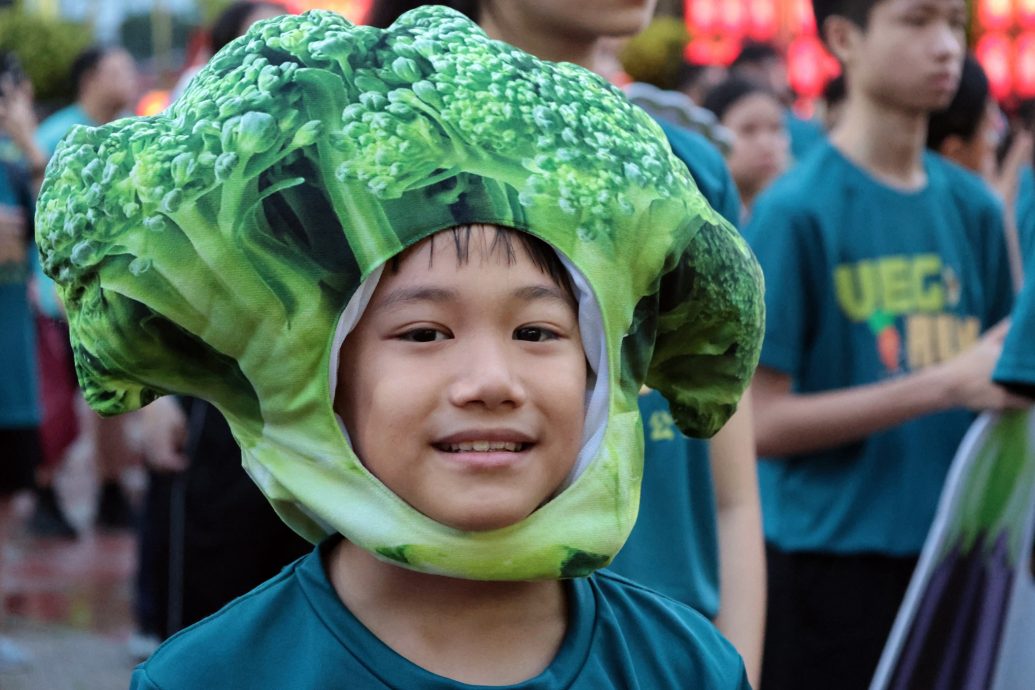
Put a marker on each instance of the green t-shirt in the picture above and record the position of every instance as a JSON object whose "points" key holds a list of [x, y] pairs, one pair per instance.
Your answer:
{"points": [[674, 546], [865, 283], [293, 632]]}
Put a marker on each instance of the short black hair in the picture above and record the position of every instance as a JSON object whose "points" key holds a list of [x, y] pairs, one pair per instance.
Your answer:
{"points": [[230, 22], [855, 11], [727, 93], [85, 63], [964, 114], [755, 52], [540, 253], [383, 13]]}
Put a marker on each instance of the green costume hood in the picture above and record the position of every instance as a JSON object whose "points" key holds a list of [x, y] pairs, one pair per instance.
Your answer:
{"points": [[210, 250]]}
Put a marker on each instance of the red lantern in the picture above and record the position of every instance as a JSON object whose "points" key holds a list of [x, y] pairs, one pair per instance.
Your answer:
{"points": [[701, 16], [809, 66], [1024, 65], [995, 14], [762, 19], [1026, 13], [733, 17], [993, 52]]}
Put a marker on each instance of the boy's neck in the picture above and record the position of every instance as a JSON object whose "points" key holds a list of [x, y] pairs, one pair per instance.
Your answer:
{"points": [[541, 43], [488, 633], [886, 142]]}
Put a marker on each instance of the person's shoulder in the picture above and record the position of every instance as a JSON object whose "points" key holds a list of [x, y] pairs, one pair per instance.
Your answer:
{"points": [[687, 143], [965, 187], [216, 650], [676, 636]]}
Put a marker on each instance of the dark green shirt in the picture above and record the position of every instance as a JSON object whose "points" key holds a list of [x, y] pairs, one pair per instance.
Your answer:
{"points": [[294, 632]]}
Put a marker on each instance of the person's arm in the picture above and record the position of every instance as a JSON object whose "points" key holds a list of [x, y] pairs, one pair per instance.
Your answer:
{"points": [[788, 423], [742, 571], [19, 121]]}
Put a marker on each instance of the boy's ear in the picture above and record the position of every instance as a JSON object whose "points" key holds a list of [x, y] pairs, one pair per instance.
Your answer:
{"points": [[840, 34]]}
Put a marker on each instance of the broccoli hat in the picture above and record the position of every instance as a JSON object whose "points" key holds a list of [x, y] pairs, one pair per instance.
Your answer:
{"points": [[211, 250]]}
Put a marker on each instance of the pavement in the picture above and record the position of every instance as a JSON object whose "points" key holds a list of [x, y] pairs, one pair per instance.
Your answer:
{"points": [[69, 602]]}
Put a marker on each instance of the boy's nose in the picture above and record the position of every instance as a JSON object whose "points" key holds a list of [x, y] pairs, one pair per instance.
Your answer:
{"points": [[486, 376]]}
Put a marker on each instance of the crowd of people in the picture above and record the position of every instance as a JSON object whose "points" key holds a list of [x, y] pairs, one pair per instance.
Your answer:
{"points": [[891, 227]]}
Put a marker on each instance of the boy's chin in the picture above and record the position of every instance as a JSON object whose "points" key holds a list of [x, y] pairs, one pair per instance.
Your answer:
{"points": [[484, 519]]}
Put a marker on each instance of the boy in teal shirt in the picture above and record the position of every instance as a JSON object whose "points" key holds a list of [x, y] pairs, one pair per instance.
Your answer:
{"points": [[426, 306], [884, 266]]}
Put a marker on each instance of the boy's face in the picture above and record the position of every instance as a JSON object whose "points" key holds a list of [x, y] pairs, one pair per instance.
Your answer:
{"points": [[463, 384], [910, 54]]}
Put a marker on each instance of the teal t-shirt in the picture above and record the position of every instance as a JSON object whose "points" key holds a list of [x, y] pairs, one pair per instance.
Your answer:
{"points": [[707, 167], [1016, 366], [865, 283], [804, 134], [293, 632], [674, 546], [19, 402], [1024, 207]]}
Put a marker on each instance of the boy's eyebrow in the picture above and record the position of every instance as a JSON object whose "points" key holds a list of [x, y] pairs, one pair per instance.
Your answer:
{"points": [[417, 294], [531, 293]]}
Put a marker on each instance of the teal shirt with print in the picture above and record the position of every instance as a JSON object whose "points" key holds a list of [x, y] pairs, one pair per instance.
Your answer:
{"points": [[1024, 208], [294, 632], [674, 546], [866, 283], [19, 402]]}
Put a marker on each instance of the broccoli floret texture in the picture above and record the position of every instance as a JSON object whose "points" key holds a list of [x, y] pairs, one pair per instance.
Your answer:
{"points": [[209, 250]]}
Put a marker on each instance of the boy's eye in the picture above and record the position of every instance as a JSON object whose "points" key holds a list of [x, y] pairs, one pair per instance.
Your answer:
{"points": [[535, 334], [423, 335]]}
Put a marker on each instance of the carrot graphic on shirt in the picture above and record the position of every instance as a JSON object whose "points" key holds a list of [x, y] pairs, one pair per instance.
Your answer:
{"points": [[889, 340]]}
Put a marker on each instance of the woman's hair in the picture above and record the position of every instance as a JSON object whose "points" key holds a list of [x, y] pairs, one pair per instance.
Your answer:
{"points": [[964, 114], [726, 94], [230, 22], [384, 12]]}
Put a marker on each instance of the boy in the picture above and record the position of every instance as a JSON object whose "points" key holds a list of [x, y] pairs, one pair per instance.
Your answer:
{"points": [[497, 285], [704, 492], [884, 265]]}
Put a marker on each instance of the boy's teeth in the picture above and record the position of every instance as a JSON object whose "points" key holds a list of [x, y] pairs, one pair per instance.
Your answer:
{"points": [[483, 446]]}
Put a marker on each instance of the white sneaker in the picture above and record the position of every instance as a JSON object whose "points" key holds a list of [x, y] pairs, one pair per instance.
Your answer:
{"points": [[12, 657]]}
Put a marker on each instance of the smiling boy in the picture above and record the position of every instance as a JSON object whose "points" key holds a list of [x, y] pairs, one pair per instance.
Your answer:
{"points": [[451, 299], [885, 264]]}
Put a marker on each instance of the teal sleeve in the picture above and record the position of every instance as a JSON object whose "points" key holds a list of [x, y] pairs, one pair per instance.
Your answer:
{"points": [[141, 681], [1000, 285], [707, 167], [778, 234]]}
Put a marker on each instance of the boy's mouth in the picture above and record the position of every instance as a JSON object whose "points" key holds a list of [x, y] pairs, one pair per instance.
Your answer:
{"points": [[482, 447]]}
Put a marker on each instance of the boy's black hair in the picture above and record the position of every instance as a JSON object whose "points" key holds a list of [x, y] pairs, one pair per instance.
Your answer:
{"points": [[726, 94], [964, 114], [85, 63], [384, 12], [855, 11], [541, 254], [755, 52], [230, 22]]}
